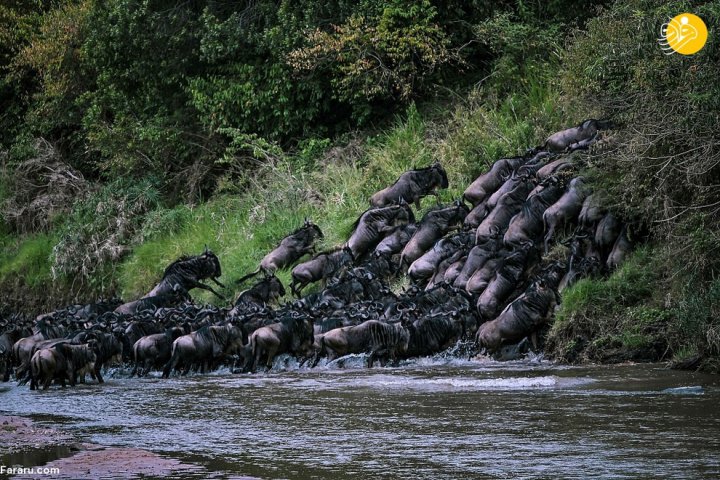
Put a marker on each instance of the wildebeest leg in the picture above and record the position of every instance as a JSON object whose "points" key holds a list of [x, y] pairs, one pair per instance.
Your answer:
{"points": [[196, 284], [46, 384], [97, 373], [533, 337], [272, 351]]}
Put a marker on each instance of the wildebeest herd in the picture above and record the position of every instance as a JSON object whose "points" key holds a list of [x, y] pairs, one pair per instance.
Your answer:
{"points": [[477, 274]]}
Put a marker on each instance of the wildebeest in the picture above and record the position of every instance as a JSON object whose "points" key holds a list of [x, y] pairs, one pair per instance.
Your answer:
{"points": [[477, 257], [263, 292], [290, 250], [505, 282], [396, 240], [425, 266], [106, 346], [486, 184], [620, 250], [186, 272], [382, 340], [412, 186], [62, 361], [499, 218], [433, 226], [154, 350], [521, 318], [527, 224], [22, 349], [376, 222], [579, 137], [591, 213], [164, 300], [321, 267], [204, 347], [434, 333], [136, 330], [553, 168], [7, 340], [294, 335], [565, 210], [606, 233]]}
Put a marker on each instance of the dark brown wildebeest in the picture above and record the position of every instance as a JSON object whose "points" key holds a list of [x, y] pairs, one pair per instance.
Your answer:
{"points": [[266, 291], [575, 138], [23, 349], [553, 168], [487, 183], [504, 283], [498, 219], [62, 362], [205, 347], [433, 226], [433, 333], [376, 222], [396, 240], [455, 261], [621, 249], [321, 267], [164, 300], [134, 332], [185, 273], [477, 257], [425, 266], [412, 186], [7, 340], [527, 225], [107, 349], [293, 335], [484, 275], [290, 250], [606, 234], [565, 210], [591, 213], [154, 350], [382, 340], [521, 318]]}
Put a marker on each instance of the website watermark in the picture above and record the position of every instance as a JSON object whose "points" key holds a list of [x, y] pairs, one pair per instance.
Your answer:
{"points": [[5, 470]]}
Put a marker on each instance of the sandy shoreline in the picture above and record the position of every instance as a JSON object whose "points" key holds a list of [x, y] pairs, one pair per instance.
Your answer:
{"points": [[22, 440]]}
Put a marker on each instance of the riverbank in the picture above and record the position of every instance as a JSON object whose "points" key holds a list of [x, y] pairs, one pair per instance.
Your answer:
{"points": [[33, 451]]}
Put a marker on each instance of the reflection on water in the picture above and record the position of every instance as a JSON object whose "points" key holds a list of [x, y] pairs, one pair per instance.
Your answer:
{"points": [[431, 418]]}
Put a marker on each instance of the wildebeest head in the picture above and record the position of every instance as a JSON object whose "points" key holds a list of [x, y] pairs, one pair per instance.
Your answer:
{"points": [[211, 265], [440, 175], [313, 229]]}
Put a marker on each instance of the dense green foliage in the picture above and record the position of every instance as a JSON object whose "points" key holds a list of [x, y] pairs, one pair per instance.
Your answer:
{"points": [[133, 131]]}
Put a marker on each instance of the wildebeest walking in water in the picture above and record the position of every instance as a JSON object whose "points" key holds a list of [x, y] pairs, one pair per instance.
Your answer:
{"points": [[412, 186], [204, 347], [185, 274], [290, 250]]}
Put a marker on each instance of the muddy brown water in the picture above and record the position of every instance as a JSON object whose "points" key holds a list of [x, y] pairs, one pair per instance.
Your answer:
{"points": [[431, 418]]}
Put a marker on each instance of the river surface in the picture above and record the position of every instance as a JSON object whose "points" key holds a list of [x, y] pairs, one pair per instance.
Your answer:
{"points": [[432, 418]]}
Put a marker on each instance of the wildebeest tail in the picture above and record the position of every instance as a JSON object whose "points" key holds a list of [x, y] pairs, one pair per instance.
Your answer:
{"points": [[251, 274]]}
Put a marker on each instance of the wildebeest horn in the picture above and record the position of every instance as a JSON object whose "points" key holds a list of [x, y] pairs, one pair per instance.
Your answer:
{"points": [[207, 250]]}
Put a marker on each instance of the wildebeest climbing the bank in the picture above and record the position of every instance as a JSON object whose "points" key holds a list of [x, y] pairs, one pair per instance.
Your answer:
{"points": [[185, 274], [291, 249], [412, 186]]}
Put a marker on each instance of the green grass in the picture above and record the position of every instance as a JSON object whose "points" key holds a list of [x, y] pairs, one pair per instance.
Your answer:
{"points": [[28, 258]]}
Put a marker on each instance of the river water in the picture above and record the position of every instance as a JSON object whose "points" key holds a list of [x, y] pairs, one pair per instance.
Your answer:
{"points": [[432, 418]]}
